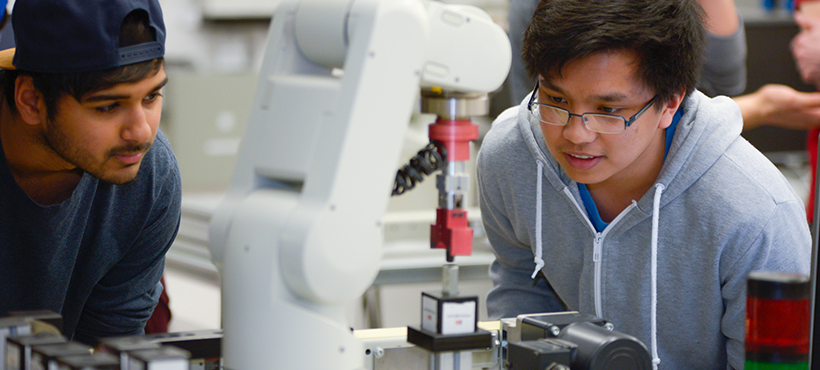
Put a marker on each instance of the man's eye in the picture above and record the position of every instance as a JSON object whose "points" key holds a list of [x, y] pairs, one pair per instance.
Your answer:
{"points": [[107, 108], [152, 97], [556, 100]]}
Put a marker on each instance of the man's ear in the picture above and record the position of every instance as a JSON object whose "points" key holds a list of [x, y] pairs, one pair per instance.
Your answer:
{"points": [[669, 109], [29, 101]]}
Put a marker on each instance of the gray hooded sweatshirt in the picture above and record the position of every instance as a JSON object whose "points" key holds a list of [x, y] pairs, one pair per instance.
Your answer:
{"points": [[671, 268]]}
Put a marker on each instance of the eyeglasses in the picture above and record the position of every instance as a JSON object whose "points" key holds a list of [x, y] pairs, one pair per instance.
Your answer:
{"points": [[598, 122]]}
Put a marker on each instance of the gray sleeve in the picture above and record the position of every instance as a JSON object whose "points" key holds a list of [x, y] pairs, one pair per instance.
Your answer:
{"points": [[515, 293], [520, 14], [724, 68], [781, 245]]}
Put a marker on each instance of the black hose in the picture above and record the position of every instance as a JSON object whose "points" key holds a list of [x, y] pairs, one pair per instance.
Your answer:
{"points": [[431, 158]]}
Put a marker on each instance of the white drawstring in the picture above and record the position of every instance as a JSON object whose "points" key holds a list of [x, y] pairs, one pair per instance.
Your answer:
{"points": [[656, 205], [539, 261]]}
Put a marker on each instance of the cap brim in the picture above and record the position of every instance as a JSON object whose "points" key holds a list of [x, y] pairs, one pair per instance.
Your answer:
{"points": [[6, 57]]}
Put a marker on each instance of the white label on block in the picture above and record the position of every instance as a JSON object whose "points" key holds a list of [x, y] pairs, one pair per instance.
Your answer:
{"points": [[429, 314], [458, 318], [170, 364]]}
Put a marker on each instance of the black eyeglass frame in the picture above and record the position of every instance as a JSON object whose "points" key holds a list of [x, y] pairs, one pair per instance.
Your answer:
{"points": [[583, 116]]}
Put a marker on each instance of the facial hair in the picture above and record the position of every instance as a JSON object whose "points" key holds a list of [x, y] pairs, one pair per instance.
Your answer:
{"points": [[105, 169]]}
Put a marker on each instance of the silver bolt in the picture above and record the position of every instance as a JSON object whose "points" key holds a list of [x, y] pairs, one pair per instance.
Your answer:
{"points": [[609, 326], [555, 331], [379, 352], [449, 279]]}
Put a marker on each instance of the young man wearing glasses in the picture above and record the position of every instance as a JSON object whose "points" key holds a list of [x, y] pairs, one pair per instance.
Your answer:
{"points": [[620, 191]]}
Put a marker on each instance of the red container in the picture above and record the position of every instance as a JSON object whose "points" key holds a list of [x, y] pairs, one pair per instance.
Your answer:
{"points": [[777, 317]]}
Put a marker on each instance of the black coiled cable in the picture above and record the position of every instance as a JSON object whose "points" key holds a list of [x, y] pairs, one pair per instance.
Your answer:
{"points": [[431, 158]]}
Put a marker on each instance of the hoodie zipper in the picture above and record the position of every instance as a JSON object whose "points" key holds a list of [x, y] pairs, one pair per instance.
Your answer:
{"points": [[597, 258], [597, 249], [597, 254]]}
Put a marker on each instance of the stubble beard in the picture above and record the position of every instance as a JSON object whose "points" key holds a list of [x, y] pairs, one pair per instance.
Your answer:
{"points": [[84, 159]]}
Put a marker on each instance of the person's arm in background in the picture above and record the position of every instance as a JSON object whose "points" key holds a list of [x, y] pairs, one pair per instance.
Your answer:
{"points": [[721, 17], [724, 68], [781, 106]]}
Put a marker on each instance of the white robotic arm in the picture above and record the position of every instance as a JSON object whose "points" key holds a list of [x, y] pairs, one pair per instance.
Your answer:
{"points": [[299, 233]]}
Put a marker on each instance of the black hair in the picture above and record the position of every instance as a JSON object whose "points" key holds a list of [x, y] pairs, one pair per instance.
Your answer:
{"points": [[135, 30], [666, 36]]}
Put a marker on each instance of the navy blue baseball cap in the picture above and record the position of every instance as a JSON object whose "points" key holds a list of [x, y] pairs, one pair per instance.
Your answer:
{"points": [[74, 36]]}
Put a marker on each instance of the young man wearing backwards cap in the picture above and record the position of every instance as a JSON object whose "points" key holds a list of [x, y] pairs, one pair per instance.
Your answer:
{"points": [[620, 191], [89, 188]]}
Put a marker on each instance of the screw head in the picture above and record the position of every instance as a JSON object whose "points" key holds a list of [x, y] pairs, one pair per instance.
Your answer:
{"points": [[609, 326], [555, 331]]}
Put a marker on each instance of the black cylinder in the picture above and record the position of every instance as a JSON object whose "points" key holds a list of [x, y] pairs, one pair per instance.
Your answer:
{"points": [[601, 349]]}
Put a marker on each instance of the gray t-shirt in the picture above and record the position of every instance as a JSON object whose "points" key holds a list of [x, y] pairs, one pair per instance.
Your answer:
{"points": [[97, 257]]}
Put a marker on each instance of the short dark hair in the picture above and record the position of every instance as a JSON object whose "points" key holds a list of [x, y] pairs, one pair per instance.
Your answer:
{"points": [[135, 30], [667, 37]]}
